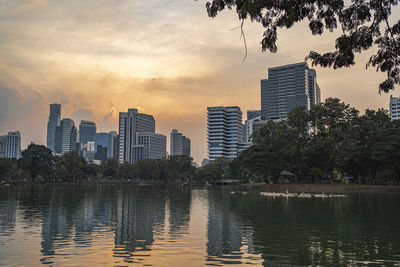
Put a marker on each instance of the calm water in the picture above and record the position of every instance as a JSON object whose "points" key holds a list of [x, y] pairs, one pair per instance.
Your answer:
{"points": [[172, 226]]}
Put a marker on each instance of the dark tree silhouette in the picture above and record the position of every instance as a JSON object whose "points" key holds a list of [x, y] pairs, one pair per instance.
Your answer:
{"points": [[364, 23]]}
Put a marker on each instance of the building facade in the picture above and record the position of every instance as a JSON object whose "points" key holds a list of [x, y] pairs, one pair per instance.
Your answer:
{"points": [[155, 143], [394, 108], [288, 87], [10, 145], [180, 144], [66, 137], [103, 140], [54, 121], [131, 123], [3, 139], [224, 131], [87, 131]]}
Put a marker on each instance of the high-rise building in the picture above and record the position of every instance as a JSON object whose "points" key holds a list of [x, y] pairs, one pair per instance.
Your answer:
{"points": [[249, 128], [251, 114], [186, 146], [155, 143], [66, 137], [13, 145], [103, 140], [101, 153], [224, 131], [87, 131], [113, 144], [287, 87], [131, 123], [180, 144], [54, 121], [3, 139], [394, 108]]}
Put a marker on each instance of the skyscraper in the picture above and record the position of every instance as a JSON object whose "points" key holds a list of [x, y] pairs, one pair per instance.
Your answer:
{"points": [[130, 123], [287, 87], [13, 145], [180, 144], [224, 131], [251, 114], [114, 144], [66, 137], [394, 108], [103, 140], [54, 121], [87, 131]]}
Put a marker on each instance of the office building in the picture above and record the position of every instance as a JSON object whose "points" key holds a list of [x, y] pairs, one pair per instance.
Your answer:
{"points": [[140, 152], [131, 123], [180, 144], [87, 131], [224, 131], [287, 87], [103, 140], [88, 151], [113, 144], [10, 145], [3, 139], [54, 121], [101, 153], [155, 143], [394, 108], [251, 114], [66, 137]]}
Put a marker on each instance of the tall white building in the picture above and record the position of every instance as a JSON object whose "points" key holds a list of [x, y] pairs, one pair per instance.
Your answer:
{"points": [[10, 145], [131, 123], [394, 108], [224, 131], [180, 144]]}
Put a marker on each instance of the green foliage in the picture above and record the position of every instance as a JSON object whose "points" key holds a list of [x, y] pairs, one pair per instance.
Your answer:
{"points": [[331, 136], [364, 23], [216, 170], [38, 160]]}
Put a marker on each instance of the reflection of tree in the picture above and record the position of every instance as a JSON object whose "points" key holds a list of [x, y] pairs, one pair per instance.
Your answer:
{"points": [[139, 212], [322, 232], [179, 200]]}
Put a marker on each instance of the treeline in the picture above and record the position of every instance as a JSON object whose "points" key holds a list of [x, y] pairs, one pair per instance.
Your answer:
{"points": [[38, 164], [330, 141]]}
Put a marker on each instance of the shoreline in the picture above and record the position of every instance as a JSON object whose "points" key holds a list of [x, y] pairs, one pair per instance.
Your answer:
{"points": [[326, 188]]}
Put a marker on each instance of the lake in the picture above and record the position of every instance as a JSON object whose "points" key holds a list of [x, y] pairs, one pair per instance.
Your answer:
{"points": [[127, 225]]}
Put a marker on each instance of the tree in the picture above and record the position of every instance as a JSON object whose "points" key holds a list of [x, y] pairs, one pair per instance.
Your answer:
{"points": [[216, 170], [70, 167], [364, 23], [110, 167], [39, 161]]}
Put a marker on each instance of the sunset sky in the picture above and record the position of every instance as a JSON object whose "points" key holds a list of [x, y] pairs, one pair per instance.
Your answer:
{"points": [[165, 57]]}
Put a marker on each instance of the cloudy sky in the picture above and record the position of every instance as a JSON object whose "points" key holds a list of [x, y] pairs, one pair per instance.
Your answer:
{"points": [[165, 57]]}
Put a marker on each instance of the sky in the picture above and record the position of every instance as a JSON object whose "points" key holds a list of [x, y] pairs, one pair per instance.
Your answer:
{"points": [[166, 57]]}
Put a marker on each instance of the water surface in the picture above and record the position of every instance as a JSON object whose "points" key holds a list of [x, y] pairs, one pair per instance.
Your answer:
{"points": [[126, 225]]}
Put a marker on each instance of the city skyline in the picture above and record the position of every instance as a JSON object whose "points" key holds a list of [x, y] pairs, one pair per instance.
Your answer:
{"points": [[99, 62]]}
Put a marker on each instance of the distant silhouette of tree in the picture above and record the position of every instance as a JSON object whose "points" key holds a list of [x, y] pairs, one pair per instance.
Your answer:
{"points": [[364, 24]]}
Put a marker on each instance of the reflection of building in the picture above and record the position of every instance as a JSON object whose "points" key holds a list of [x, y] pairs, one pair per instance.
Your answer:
{"points": [[130, 123], [180, 144], [394, 108], [8, 216], [287, 87], [224, 231], [224, 131], [54, 121], [139, 212], [179, 201]]}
